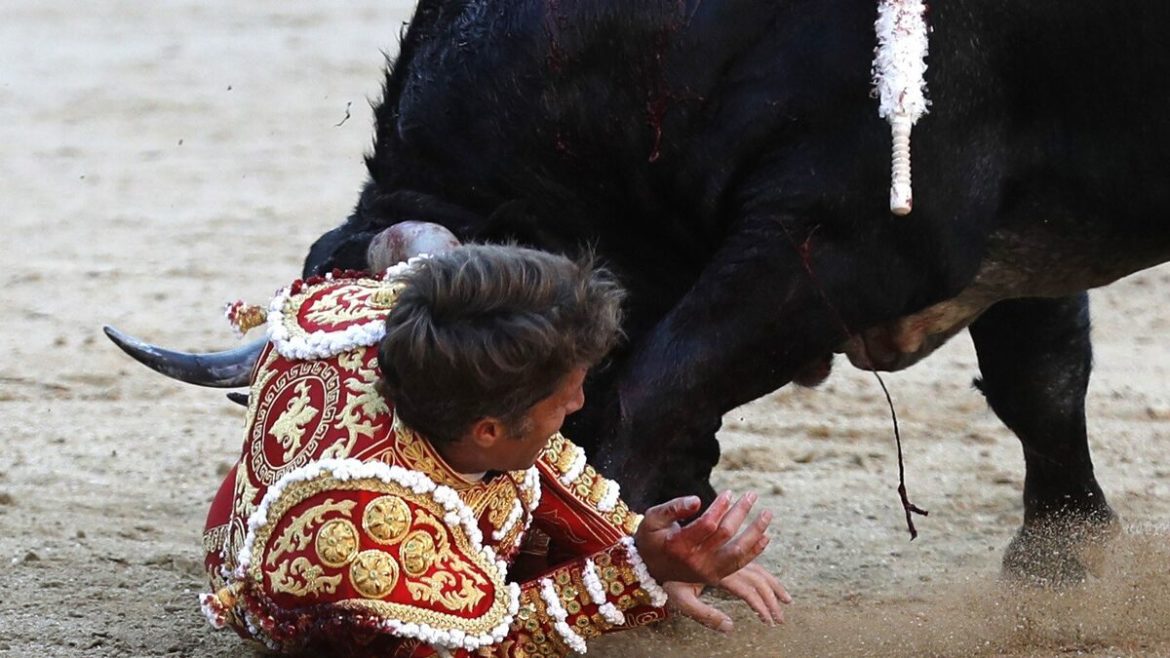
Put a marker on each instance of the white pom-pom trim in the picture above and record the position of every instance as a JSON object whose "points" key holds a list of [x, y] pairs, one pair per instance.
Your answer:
{"points": [[553, 603], [513, 517], [596, 591], [324, 344], [318, 344], [576, 467], [402, 267], [532, 486], [213, 610], [657, 594], [609, 501]]}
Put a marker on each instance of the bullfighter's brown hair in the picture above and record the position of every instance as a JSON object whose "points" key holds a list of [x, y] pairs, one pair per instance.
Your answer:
{"points": [[489, 331]]}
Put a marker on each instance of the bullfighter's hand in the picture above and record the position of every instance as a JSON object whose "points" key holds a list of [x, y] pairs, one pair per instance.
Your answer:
{"points": [[709, 548], [753, 584]]}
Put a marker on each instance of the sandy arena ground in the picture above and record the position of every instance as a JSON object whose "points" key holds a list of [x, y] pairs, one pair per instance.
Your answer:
{"points": [[159, 159]]}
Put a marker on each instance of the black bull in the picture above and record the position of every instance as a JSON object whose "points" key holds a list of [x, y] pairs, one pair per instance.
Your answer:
{"points": [[726, 160]]}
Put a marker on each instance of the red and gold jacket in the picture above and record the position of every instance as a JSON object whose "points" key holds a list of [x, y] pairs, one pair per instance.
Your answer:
{"points": [[340, 527]]}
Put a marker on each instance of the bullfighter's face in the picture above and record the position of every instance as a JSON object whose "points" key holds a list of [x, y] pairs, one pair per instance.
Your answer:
{"points": [[519, 448]]}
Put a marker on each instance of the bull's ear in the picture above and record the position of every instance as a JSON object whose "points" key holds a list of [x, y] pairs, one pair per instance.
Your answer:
{"points": [[343, 248]]}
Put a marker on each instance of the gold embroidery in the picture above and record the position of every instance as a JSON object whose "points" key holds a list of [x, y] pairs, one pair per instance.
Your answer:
{"points": [[430, 590], [417, 456], [443, 552], [615, 577], [418, 553], [590, 486], [264, 375], [468, 563], [565, 460], [289, 428], [387, 519], [414, 452], [345, 303], [214, 538], [625, 519], [240, 495], [496, 497], [500, 503], [328, 307], [301, 578], [337, 542], [245, 493], [235, 539], [599, 487], [364, 405], [476, 497], [295, 422], [386, 296], [533, 638], [374, 574], [245, 503], [353, 361], [297, 535]]}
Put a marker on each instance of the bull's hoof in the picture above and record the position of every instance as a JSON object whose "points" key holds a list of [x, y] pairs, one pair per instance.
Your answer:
{"points": [[1059, 552]]}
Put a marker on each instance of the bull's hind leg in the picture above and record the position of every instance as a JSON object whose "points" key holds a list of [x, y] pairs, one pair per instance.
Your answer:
{"points": [[1035, 357]]}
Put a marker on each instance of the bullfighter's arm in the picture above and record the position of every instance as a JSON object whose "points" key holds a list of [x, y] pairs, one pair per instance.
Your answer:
{"points": [[600, 583], [579, 600]]}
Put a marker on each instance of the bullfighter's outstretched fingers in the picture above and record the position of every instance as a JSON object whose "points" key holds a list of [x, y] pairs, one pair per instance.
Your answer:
{"points": [[746, 586], [693, 535], [747, 546], [668, 514], [731, 522], [753, 585], [772, 590], [684, 597], [778, 587]]}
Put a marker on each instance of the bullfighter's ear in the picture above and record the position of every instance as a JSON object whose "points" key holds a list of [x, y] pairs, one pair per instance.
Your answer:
{"points": [[486, 432]]}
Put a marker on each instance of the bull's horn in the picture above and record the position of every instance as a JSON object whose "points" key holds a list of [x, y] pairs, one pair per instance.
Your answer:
{"points": [[227, 369]]}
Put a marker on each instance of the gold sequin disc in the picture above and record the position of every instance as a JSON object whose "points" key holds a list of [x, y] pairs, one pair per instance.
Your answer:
{"points": [[387, 519], [373, 574]]}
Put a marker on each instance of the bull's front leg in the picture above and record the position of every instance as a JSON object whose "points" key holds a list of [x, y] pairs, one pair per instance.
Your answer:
{"points": [[774, 298], [1035, 357]]}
